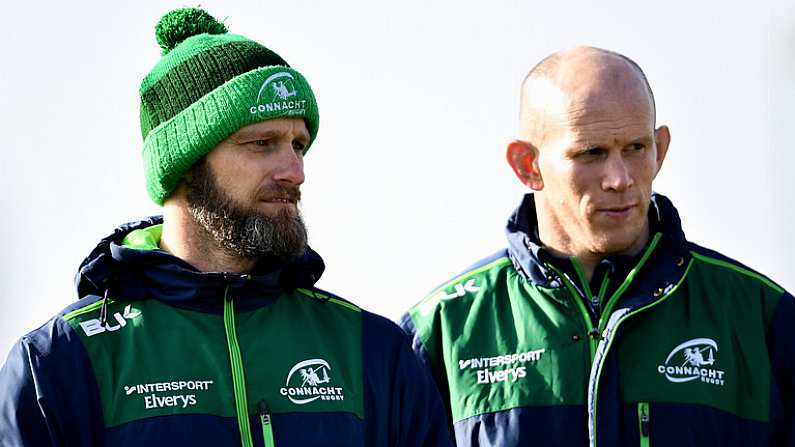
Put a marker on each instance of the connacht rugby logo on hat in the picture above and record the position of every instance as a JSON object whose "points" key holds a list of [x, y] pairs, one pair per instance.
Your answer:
{"points": [[279, 94]]}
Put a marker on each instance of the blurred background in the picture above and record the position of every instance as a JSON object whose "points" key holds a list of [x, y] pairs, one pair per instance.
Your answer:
{"points": [[407, 183]]}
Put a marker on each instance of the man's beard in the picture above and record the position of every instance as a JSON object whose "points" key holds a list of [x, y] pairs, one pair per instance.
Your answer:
{"points": [[241, 231]]}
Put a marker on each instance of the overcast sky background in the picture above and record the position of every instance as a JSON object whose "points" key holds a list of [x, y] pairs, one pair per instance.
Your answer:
{"points": [[407, 183]]}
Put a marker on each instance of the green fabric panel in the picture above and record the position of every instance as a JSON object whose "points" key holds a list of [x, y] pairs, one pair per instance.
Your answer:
{"points": [[165, 361], [715, 305], [138, 364], [516, 363], [144, 238], [584, 314], [327, 341], [739, 269]]}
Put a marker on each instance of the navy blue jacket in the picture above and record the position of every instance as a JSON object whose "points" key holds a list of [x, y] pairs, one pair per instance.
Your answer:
{"points": [[157, 353], [677, 346]]}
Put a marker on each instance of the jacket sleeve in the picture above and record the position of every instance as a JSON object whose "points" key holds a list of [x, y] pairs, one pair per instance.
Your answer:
{"points": [[435, 368], [23, 421], [48, 392], [413, 414], [781, 345]]}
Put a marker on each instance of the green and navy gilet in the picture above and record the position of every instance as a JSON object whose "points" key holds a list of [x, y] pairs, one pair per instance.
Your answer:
{"points": [[159, 354], [678, 346]]}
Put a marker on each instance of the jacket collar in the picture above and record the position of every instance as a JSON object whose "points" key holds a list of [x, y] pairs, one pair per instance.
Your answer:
{"points": [[530, 257], [131, 273]]}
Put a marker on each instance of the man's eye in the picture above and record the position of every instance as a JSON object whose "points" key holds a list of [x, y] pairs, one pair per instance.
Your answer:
{"points": [[299, 146], [637, 146], [261, 142], [594, 152]]}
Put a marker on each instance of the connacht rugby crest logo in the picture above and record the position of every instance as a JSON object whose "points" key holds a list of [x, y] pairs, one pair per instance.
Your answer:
{"points": [[309, 381], [279, 93], [693, 360]]}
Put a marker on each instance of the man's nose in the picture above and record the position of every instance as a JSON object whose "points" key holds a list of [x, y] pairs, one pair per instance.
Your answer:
{"points": [[290, 168], [618, 175]]}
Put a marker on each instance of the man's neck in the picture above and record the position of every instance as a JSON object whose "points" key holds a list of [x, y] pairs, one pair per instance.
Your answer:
{"points": [[557, 240], [187, 240]]}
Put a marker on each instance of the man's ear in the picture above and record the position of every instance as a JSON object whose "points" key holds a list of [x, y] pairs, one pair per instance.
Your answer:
{"points": [[662, 139], [523, 158]]}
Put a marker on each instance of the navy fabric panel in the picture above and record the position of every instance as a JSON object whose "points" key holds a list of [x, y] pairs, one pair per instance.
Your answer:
{"points": [[198, 430], [559, 426], [407, 324], [308, 429], [289, 430], [608, 405], [79, 304], [781, 346], [689, 425], [440, 378], [43, 401], [412, 413]]}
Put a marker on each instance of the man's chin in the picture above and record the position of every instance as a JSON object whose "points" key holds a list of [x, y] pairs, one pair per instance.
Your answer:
{"points": [[610, 244]]}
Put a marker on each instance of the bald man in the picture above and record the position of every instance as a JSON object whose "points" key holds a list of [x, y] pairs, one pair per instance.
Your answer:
{"points": [[600, 324]]}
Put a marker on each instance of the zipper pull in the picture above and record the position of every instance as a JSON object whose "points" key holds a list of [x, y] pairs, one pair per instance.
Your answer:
{"points": [[267, 427], [644, 421], [264, 415]]}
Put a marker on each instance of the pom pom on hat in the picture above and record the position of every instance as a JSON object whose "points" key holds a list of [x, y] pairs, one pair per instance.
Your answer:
{"points": [[176, 26]]}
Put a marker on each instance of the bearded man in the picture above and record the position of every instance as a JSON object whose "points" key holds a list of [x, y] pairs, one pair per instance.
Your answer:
{"points": [[204, 327], [601, 324]]}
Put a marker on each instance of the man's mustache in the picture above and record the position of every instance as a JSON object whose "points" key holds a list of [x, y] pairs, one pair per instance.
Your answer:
{"points": [[291, 193]]}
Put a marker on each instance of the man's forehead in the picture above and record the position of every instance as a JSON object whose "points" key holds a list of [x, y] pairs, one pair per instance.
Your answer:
{"points": [[273, 127], [591, 92]]}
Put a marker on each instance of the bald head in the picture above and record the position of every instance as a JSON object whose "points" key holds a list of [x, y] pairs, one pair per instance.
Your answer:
{"points": [[582, 77], [589, 149]]}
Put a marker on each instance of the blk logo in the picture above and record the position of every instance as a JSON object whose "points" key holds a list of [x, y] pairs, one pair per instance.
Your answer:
{"points": [[94, 326], [461, 289]]}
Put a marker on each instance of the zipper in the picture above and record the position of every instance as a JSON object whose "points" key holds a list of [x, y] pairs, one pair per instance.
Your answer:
{"points": [[267, 426], [623, 287], [238, 377], [612, 331], [644, 416], [602, 290]]}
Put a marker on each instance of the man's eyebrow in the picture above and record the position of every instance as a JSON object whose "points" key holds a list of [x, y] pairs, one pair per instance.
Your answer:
{"points": [[255, 134], [249, 135], [587, 140]]}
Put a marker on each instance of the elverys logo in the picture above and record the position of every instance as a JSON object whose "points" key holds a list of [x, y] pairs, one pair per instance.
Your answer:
{"points": [[169, 394], [693, 360], [94, 326], [309, 381], [279, 94], [501, 368]]}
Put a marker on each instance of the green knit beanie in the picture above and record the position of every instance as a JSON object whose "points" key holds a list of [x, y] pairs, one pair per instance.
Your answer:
{"points": [[207, 85]]}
